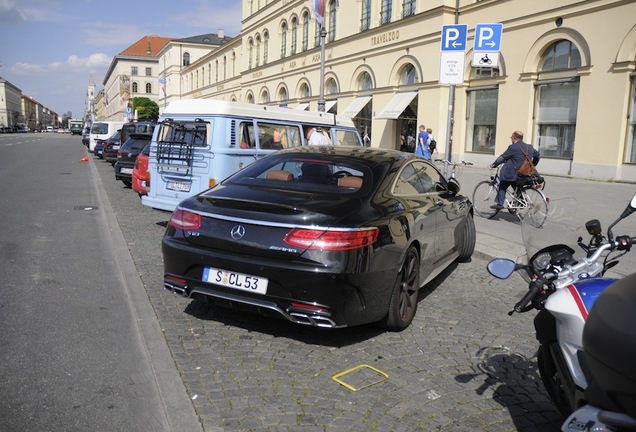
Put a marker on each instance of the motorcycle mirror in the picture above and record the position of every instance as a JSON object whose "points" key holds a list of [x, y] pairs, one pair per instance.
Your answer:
{"points": [[593, 227], [630, 208], [501, 268]]}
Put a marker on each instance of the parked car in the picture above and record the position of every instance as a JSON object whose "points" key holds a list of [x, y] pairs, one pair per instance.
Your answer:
{"points": [[111, 147], [140, 127], [140, 174], [86, 136], [327, 236], [127, 155], [99, 148]]}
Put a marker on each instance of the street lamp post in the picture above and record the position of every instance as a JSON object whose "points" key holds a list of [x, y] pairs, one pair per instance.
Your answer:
{"points": [[321, 100]]}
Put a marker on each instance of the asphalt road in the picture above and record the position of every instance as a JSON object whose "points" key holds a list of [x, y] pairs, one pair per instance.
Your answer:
{"points": [[75, 354]]}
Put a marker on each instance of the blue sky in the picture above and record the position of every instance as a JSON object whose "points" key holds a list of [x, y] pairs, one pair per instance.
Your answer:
{"points": [[49, 48]]}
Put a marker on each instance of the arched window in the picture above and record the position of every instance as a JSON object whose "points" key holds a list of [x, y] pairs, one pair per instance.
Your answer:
{"points": [[186, 59], [258, 50], [630, 153], [385, 12], [148, 88], [365, 82], [408, 75], [317, 36], [216, 71], [294, 35], [331, 87], [282, 94], [408, 8], [365, 17], [305, 31], [250, 98], [283, 40], [134, 87], [265, 97], [557, 100], [224, 68], [332, 21], [483, 102], [304, 91], [561, 55], [265, 46], [250, 53]]}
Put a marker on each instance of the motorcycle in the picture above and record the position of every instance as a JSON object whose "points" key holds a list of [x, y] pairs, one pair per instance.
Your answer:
{"points": [[563, 289], [609, 352]]}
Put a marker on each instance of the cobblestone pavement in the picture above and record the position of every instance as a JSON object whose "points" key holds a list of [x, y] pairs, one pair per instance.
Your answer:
{"points": [[463, 364]]}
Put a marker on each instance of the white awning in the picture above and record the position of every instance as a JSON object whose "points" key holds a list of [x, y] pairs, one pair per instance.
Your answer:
{"points": [[396, 106], [302, 106], [329, 104], [354, 107]]}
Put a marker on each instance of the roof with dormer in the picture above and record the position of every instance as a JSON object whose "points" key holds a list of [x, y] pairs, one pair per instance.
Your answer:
{"points": [[147, 46]]}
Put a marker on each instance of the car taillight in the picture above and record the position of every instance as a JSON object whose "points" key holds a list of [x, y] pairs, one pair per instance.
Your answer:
{"points": [[185, 220], [331, 240]]}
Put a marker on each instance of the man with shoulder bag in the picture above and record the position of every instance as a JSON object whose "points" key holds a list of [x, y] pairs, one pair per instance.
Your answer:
{"points": [[513, 160]]}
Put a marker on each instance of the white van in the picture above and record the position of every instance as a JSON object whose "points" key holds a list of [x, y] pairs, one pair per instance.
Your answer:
{"points": [[200, 142], [103, 130]]}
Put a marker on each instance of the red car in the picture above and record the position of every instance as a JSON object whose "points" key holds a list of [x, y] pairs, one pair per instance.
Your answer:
{"points": [[140, 174]]}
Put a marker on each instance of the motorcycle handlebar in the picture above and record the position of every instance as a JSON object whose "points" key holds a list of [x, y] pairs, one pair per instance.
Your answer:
{"points": [[620, 243], [533, 289]]}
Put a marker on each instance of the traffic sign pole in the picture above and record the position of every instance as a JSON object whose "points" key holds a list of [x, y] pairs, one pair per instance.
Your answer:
{"points": [[453, 54]]}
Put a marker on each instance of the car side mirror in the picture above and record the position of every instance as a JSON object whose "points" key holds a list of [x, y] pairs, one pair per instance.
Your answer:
{"points": [[453, 186]]}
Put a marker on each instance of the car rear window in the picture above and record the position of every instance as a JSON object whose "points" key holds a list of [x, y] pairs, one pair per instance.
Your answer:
{"points": [[307, 173]]}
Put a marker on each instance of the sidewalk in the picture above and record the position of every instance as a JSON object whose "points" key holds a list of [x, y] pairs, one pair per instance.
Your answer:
{"points": [[500, 237]]}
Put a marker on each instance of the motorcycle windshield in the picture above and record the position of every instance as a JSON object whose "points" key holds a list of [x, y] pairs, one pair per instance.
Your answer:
{"points": [[559, 226]]}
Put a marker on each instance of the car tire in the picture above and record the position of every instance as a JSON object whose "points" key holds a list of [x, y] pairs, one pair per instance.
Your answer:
{"points": [[128, 183], [467, 240], [403, 304]]}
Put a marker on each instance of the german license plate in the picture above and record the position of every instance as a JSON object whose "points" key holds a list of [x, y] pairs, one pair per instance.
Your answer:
{"points": [[239, 281], [178, 186], [126, 171]]}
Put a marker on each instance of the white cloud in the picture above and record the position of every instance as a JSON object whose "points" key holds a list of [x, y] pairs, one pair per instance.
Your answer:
{"points": [[72, 64], [30, 10]]}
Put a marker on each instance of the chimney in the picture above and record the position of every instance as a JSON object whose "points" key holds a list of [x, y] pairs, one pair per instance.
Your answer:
{"points": [[221, 34]]}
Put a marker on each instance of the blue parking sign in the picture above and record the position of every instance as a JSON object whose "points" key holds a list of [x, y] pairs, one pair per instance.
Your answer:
{"points": [[454, 37], [488, 37]]}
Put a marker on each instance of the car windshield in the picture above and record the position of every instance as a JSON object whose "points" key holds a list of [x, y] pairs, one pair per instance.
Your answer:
{"points": [[306, 173]]}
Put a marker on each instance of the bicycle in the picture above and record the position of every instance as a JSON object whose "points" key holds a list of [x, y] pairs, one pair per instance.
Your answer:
{"points": [[525, 197], [453, 175]]}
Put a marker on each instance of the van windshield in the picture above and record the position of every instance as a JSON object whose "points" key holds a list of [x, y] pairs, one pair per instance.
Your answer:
{"points": [[99, 128]]}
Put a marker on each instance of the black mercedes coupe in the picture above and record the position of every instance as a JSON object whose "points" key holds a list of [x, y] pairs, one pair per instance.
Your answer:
{"points": [[328, 236]]}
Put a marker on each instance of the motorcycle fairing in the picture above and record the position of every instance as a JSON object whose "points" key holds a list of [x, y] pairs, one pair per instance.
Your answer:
{"points": [[587, 291]]}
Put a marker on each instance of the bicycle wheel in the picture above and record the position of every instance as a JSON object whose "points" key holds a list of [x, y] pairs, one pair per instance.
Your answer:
{"points": [[536, 207], [484, 197]]}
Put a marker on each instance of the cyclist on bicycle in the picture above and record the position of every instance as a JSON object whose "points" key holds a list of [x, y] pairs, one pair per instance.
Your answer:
{"points": [[512, 159]]}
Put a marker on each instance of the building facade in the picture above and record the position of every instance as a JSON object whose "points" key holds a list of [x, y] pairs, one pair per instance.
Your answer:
{"points": [[151, 68], [565, 75], [10, 105]]}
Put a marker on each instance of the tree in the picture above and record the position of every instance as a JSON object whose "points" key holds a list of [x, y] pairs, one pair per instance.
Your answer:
{"points": [[146, 109]]}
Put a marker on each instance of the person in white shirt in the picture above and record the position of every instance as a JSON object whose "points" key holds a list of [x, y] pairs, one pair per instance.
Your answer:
{"points": [[316, 138]]}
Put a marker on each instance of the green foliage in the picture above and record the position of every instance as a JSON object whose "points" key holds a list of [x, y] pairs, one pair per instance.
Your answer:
{"points": [[146, 108]]}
